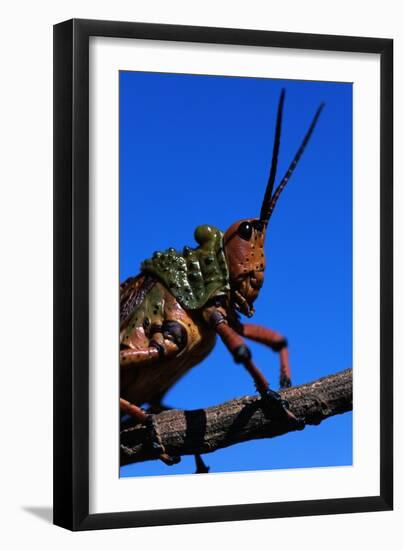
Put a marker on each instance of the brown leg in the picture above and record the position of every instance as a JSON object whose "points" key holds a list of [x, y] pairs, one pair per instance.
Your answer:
{"points": [[276, 342], [158, 349], [216, 317], [145, 418], [156, 407], [130, 357], [241, 354], [133, 410]]}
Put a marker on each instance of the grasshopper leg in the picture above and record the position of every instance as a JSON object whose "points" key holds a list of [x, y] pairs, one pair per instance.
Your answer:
{"points": [[271, 400], [201, 467], [158, 349], [148, 420], [276, 342], [156, 407]]}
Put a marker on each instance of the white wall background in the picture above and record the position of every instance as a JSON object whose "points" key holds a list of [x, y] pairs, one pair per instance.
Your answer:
{"points": [[26, 273]]}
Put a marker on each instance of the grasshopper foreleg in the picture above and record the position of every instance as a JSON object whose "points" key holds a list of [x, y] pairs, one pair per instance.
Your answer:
{"points": [[272, 401], [276, 342]]}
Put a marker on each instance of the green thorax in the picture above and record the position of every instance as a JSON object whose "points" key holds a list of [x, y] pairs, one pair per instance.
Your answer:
{"points": [[196, 274]]}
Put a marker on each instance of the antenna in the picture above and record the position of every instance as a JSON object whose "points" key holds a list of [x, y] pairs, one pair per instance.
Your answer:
{"points": [[273, 169], [294, 162]]}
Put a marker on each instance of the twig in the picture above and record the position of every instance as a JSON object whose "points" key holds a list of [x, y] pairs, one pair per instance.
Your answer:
{"points": [[206, 430]]}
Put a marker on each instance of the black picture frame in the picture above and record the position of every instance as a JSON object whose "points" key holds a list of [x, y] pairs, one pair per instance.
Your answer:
{"points": [[71, 274]]}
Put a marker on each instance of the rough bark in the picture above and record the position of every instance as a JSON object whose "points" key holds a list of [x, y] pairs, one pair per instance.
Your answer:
{"points": [[206, 430]]}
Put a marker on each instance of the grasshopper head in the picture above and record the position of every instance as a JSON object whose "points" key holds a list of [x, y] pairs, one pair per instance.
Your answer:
{"points": [[244, 250], [244, 239]]}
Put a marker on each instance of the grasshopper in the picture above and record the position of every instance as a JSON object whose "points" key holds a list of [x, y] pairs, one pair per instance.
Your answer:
{"points": [[171, 313]]}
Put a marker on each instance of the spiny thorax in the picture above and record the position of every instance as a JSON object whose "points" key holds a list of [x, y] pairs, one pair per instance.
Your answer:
{"points": [[194, 275]]}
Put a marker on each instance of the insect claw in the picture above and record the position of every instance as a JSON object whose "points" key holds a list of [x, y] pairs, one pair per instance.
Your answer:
{"points": [[285, 382], [300, 423], [279, 409], [169, 460], [201, 467]]}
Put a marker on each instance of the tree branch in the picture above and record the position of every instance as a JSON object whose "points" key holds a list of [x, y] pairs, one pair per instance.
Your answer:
{"points": [[206, 430]]}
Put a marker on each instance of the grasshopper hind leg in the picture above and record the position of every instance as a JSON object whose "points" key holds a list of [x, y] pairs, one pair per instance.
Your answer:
{"points": [[201, 467], [156, 406], [147, 419]]}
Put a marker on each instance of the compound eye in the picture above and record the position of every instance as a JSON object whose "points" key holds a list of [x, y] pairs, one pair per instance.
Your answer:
{"points": [[245, 231]]}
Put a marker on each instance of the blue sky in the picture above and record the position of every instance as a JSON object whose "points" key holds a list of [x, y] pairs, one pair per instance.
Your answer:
{"points": [[197, 149]]}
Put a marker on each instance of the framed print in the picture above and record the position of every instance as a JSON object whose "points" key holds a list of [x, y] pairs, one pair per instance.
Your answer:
{"points": [[223, 274]]}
